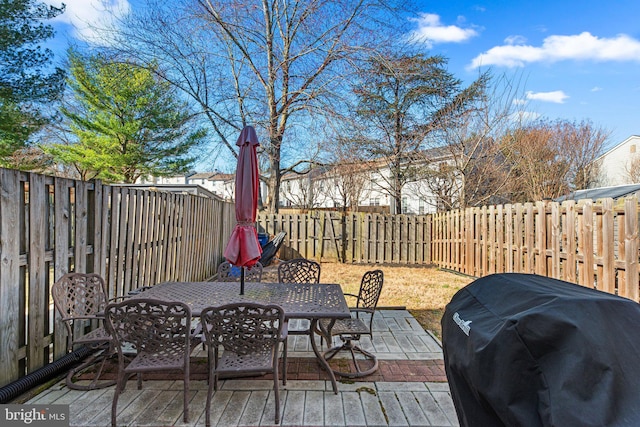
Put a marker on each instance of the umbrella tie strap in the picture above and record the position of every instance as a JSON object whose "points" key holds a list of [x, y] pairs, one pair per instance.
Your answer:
{"points": [[246, 223]]}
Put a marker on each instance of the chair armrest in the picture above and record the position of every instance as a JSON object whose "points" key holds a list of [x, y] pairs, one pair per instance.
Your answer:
{"points": [[358, 310], [352, 296], [356, 297]]}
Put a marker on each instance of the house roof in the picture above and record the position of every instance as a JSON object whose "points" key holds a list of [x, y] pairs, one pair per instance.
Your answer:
{"points": [[617, 146], [614, 192], [174, 188], [201, 175], [219, 176]]}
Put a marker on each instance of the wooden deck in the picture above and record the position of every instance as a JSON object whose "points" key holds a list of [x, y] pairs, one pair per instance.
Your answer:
{"points": [[396, 397]]}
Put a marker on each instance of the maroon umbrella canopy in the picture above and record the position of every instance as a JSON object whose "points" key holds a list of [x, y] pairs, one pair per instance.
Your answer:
{"points": [[243, 248]]}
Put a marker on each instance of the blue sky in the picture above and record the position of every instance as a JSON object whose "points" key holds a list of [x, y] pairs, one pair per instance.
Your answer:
{"points": [[575, 60]]}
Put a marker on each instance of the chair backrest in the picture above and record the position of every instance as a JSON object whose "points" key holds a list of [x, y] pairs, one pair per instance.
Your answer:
{"points": [[299, 270], [229, 273], [243, 328], [79, 295], [370, 289], [149, 325]]}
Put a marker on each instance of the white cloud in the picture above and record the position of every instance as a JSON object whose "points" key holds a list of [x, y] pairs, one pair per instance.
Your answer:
{"points": [[511, 40], [596, 89], [557, 96], [431, 31], [584, 46], [87, 17]]}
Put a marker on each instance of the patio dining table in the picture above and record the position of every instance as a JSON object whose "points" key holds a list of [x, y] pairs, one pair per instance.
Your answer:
{"points": [[299, 301]]}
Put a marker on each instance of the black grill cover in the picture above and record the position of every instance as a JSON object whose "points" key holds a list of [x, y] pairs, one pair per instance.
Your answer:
{"points": [[526, 350]]}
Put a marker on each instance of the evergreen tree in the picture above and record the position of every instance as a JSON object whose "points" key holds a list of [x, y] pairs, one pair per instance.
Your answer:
{"points": [[27, 78], [402, 100], [126, 122]]}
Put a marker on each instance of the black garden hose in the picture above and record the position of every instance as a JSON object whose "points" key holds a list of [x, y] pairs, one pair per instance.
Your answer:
{"points": [[21, 385]]}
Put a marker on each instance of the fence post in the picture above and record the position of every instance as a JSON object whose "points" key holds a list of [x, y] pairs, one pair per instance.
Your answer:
{"points": [[607, 249], [10, 194], [631, 247]]}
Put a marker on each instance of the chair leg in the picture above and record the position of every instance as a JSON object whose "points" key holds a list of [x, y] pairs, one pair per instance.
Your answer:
{"points": [[276, 392], [353, 349], [209, 393], [114, 404], [186, 395], [284, 364]]}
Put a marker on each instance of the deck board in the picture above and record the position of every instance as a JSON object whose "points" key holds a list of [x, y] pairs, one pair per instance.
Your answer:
{"points": [[249, 402]]}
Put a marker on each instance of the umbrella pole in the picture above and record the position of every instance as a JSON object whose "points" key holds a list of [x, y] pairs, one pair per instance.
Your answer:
{"points": [[241, 280]]}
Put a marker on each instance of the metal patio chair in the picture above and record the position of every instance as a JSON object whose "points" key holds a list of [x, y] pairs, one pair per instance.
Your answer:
{"points": [[228, 273], [243, 338], [350, 330], [80, 299], [160, 334], [299, 270]]}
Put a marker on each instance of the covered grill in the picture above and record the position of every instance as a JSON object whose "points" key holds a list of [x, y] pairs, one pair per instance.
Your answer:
{"points": [[527, 350]]}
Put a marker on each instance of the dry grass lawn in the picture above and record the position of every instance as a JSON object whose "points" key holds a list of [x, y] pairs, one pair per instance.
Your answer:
{"points": [[424, 291]]}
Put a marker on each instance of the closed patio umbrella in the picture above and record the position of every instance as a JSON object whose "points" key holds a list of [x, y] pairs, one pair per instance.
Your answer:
{"points": [[243, 248]]}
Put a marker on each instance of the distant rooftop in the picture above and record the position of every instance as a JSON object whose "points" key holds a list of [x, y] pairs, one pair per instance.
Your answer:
{"points": [[194, 189], [614, 192]]}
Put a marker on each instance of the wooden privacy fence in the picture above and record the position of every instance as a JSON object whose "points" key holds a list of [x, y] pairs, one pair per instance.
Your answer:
{"points": [[352, 237], [132, 237], [592, 244]]}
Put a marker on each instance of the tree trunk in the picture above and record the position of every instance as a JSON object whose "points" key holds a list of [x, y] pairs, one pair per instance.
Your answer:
{"points": [[275, 174]]}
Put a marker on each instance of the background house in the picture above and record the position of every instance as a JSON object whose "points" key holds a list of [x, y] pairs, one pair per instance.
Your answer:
{"points": [[364, 186], [361, 186], [621, 164], [218, 183]]}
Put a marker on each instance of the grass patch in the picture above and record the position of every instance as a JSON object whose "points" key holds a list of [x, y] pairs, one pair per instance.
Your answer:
{"points": [[424, 291]]}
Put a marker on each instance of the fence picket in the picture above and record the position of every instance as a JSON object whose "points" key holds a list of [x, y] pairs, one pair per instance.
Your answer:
{"points": [[61, 257], [37, 271], [608, 250]]}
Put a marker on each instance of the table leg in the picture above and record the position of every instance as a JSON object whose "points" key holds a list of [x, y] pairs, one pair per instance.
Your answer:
{"points": [[320, 357]]}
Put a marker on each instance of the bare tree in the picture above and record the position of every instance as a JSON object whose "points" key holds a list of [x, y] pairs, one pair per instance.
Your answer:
{"points": [[345, 184], [347, 171], [553, 158], [632, 169], [301, 189], [274, 64], [585, 143], [469, 167]]}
